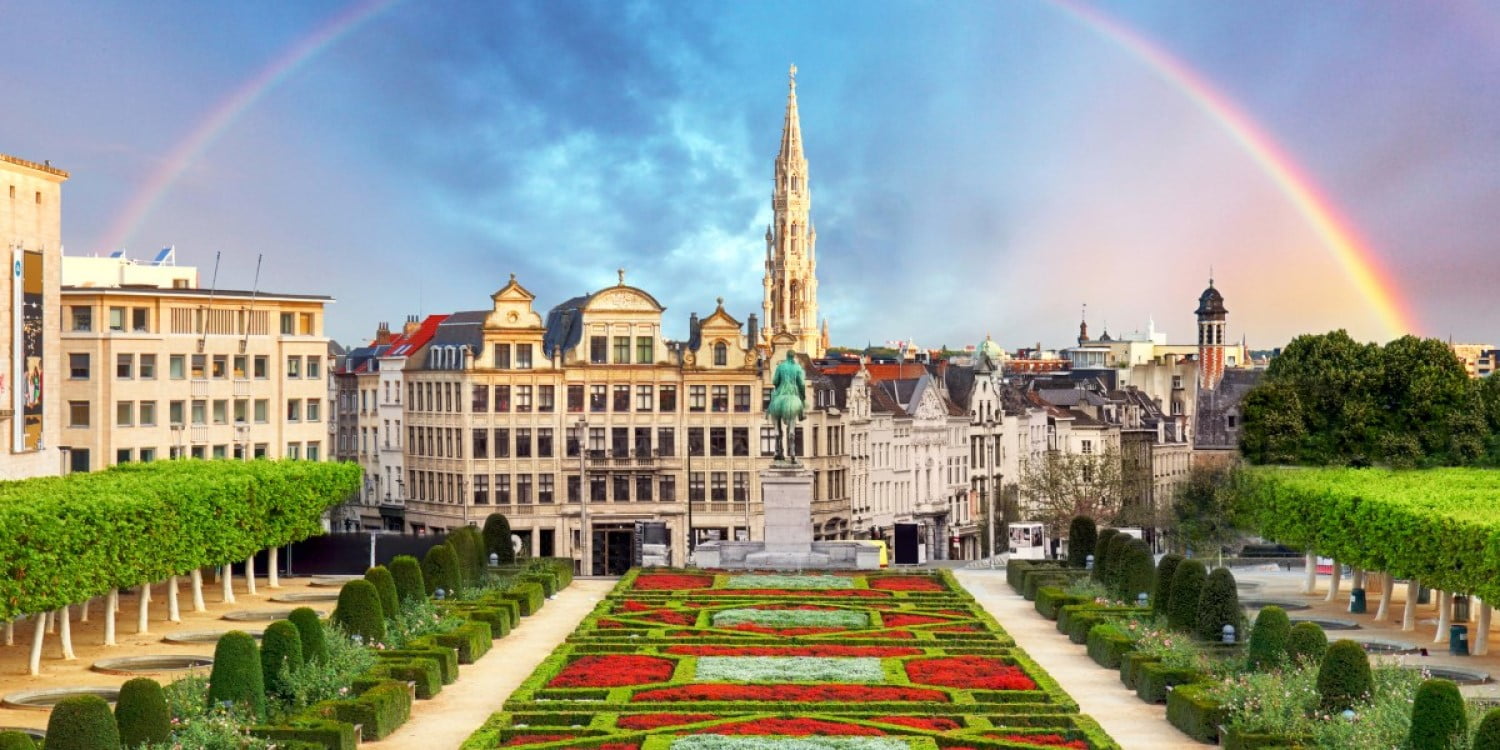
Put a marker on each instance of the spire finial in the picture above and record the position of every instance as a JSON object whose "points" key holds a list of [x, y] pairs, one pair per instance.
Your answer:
{"points": [[721, 303], [512, 277], [1210, 276], [792, 76], [621, 272]]}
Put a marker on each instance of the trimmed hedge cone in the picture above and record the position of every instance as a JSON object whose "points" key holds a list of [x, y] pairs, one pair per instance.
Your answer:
{"points": [[462, 546], [1101, 552], [1306, 642], [1487, 737], [236, 676], [359, 612], [1218, 605], [310, 630], [1437, 718], [141, 713], [440, 569], [280, 650], [82, 722], [1082, 534], [1136, 571], [1116, 555], [385, 585], [474, 559], [16, 741], [406, 571], [1162, 594], [497, 538], [1344, 678], [1268, 639], [1187, 586]]}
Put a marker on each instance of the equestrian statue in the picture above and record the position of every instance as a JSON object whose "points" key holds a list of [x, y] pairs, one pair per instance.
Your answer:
{"points": [[787, 407]]}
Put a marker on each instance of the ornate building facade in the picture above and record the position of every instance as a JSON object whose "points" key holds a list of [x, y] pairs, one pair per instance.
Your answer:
{"points": [[790, 306]]}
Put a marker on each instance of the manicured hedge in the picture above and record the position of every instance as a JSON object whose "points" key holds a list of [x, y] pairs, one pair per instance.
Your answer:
{"points": [[1101, 552], [1187, 587], [425, 672], [1131, 665], [471, 640], [141, 713], [1082, 534], [440, 570], [527, 596], [1219, 605], [1306, 641], [280, 650], [1107, 644], [82, 722], [330, 734], [1161, 595], [310, 628], [359, 612], [446, 658], [497, 538], [1344, 679], [1437, 717], [378, 710], [385, 585], [406, 572], [1050, 598], [1268, 639], [236, 675], [1155, 679], [65, 539], [1192, 709]]}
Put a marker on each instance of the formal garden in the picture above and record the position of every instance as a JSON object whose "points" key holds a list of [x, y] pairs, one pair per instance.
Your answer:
{"points": [[695, 660]]}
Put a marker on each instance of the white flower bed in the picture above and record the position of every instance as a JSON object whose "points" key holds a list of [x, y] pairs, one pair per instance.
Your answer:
{"points": [[792, 618], [788, 669], [722, 742], [772, 581]]}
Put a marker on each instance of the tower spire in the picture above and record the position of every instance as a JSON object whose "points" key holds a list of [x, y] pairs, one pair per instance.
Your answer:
{"points": [[791, 129], [791, 284]]}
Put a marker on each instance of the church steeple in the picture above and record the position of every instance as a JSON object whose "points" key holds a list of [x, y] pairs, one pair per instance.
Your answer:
{"points": [[791, 285]]}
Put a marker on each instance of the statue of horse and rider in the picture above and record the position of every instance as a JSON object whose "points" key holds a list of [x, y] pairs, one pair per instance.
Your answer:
{"points": [[787, 407]]}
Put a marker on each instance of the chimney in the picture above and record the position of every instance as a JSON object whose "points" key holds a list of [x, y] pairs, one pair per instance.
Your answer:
{"points": [[382, 334], [411, 325], [693, 329], [752, 329]]}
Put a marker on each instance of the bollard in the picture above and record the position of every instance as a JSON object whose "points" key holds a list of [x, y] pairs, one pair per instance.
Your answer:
{"points": [[1458, 640], [1141, 599], [1088, 563], [1229, 634], [1357, 601]]}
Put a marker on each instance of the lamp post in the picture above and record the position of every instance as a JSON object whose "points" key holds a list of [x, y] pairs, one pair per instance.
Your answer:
{"points": [[692, 538]]}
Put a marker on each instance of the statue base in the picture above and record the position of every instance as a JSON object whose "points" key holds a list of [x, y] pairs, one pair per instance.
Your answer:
{"points": [[788, 545]]}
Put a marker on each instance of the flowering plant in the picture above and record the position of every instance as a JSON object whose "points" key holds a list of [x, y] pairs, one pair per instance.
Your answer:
{"points": [[969, 672], [614, 670]]}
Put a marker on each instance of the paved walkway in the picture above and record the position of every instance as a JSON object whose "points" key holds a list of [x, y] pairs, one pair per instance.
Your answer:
{"points": [[1134, 724], [444, 722]]}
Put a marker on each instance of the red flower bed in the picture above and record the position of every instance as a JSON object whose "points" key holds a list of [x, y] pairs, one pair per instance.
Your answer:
{"points": [[654, 721], [876, 651], [903, 620], [614, 670], [935, 724], [634, 606], [670, 582], [1042, 740], [609, 624], [670, 617], [895, 634], [838, 693], [906, 583], [969, 672], [800, 593], [797, 727], [536, 739]]}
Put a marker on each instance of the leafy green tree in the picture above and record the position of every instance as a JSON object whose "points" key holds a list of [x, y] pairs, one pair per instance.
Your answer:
{"points": [[440, 569], [359, 612], [385, 585], [1187, 587], [1203, 508], [280, 651], [407, 573], [16, 741], [1137, 571]]}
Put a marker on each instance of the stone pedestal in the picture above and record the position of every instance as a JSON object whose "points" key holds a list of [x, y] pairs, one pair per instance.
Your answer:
{"points": [[787, 503], [788, 543]]}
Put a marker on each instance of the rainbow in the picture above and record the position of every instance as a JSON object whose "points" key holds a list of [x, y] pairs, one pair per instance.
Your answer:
{"points": [[229, 109], [1337, 234]]}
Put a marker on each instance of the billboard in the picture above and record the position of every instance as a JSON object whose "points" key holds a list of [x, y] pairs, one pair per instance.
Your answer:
{"points": [[27, 385]]}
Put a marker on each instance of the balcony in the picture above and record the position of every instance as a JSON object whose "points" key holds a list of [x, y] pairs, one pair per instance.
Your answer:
{"points": [[601, 460]]}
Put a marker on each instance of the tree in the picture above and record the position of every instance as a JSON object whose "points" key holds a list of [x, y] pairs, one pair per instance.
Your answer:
{"points": [[497, 538], [1058, 486], [1187, 587], [1101, 553], [280, 652], [1487, 737], [1009, 509], [1306, 643], [1161, 596], [1082, 533], [406, 571], [1203, 508], [385, 585], [440, 569]]}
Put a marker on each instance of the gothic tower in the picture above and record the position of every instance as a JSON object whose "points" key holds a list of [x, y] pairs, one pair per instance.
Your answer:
{"points": [[791, 284], [1211, 314]]}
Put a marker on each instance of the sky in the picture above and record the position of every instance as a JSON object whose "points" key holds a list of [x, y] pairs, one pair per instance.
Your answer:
{"points": [[977, 168]]}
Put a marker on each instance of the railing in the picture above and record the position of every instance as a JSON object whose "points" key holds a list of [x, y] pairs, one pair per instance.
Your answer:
{"points": [[600, 460]]}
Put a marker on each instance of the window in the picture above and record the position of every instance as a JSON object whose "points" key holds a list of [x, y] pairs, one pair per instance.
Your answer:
{"points": [[262, 365], [643, 488], [78, 460], [314, 450], [221, 411], [596, 440], [597, 398], [598, 349], [238, 369], [622, 488], [502, 442], [314, 371], [742, 399], [78, 366], [666, 398], [697, 398], [294, 367], [721, 398], [480, 399], [200, 412], [643, 356], [78, 414], [768, 441], [502, 356], [262, 410], [122, 456], [198, 451], [175, 412], [619, 441], [622, 398], [147, 415], [695, 487], [523, 442], [502, 398], [643, 397], [481, 489], [668, 488], [294, 410], [622, 350], [125, 414], [502, 489], [695, 441], [124, 366], [544, 488], [571, 442], [544, 442], [717, 442], [314, 409], [741, 486], [523, 398], [261, 450], [666, 441], [241, 410], [148, 454], [597, 489], [575, 399], [221, 451], [643, 441], [741, 441], [83, 318], [294, 450], [147, 370], [720, 486], [220, 366], [523, 356], [117, 319], [523, 489], [1088, 447], [721, 355], [765, 399], [199, 366], [140, 319], [546, 396], [288, 324], [575, 488]]}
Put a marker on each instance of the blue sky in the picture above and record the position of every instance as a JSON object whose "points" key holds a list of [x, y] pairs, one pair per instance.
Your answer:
{"points": [[977, 167]]}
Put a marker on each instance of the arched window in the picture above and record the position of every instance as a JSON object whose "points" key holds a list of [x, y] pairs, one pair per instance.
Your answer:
{"points": [[796, 183], [721, 354]]}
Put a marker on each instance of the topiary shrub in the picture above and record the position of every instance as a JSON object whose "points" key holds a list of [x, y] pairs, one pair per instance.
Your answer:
{"points": [[1306, 642], [83, 722], [1437, 718], [481, 557], [1344, 677], [1161, 593], [1136, 571], [385, 586], [16, 741], [310, 630], [1218, 605], [141, 713], [359, 612], [1268, 639], [440, 569], [1187, 587], [237, 676], [497, 538], [1116, 555], [280, 649], [1082, 533], [407, 573], [463, 552], [1487, 737], [1101, 551]]}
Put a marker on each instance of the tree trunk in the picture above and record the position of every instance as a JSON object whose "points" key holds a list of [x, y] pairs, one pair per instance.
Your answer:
{"points": [[227, 576], [1409, 615], [142, 624], [1333, 582], [1357, 581], [34, 667], [1481, 639], [65, 633], [111, 605], [83, 614], [51, 624], [272, 558], [1387, 590], [10, 632], [250, 575], [197, 578], [173, 613], [1311, 583], [1445, 608]]}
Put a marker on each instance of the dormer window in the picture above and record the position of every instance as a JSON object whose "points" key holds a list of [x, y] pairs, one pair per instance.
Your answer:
{"points": [[721, 354]]}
